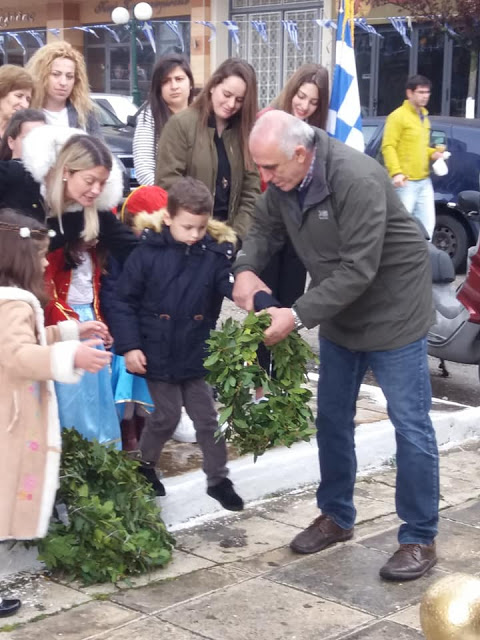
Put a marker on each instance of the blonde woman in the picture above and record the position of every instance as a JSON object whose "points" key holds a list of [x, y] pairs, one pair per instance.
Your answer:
{"points": [[82, 178], [16, 88], [72, 200], [61, 87]]}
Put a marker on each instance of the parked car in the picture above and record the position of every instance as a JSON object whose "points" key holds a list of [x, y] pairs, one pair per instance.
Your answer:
{"points": [[454, 231], [121, 106], [119, 138]]}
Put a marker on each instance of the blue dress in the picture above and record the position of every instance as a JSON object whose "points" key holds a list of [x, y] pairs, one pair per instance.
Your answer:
{"points": [[128, 388], [89, 405]]}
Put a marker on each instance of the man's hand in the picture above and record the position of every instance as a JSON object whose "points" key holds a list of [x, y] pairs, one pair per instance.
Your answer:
{"points": [[135, 361], [247, 284], [436, 155], [282, 324], [399, 180]]}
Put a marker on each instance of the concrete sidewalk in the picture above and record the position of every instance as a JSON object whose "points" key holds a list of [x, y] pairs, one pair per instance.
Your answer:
{"points": [[235, 577]]}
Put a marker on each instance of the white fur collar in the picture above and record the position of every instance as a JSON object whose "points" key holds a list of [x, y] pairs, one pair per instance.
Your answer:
{"points": [[41, 147], [15, 293]]}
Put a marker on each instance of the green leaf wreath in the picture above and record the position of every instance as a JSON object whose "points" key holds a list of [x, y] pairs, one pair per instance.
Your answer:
{"points": [[286, 417], [108, 524]]}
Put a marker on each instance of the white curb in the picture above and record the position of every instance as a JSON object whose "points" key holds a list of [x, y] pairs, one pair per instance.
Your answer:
{"points": [[280, 470]]}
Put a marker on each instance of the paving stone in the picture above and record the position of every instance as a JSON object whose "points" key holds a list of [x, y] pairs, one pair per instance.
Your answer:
{"points": [[79, 623], [466, 514], [301, 512], [265, 562], [262, 609], [157, 596], [385, 631], [349, 574], [180, 564], [455, 491], [238, 539], [39, 596], [149, 629], [458, 546], [409, 617], [463, 465]]}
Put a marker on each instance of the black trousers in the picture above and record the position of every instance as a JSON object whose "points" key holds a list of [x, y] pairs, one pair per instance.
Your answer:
{"points": [[286, 277]]}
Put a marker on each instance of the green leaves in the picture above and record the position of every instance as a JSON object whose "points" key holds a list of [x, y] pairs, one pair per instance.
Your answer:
{"points": [[285, 418], [112, 527]]}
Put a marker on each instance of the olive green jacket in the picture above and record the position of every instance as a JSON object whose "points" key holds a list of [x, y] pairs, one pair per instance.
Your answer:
{"points": [[186, 149], [371, 287]]}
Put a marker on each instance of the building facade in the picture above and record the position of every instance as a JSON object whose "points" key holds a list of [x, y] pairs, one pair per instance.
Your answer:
{"points": [[383, 61]]}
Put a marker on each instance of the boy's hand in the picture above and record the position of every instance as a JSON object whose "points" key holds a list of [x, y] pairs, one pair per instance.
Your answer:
{"points": [[92, 329], [135, 361], [108, 340], [89, 358]]}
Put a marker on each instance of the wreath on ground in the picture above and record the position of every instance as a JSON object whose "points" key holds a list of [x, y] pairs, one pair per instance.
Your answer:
{"points": [[107, 524], [285, 417]]}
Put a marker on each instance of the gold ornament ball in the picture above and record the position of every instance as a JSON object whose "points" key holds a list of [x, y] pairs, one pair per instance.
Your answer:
{"points": [[450, 609]]}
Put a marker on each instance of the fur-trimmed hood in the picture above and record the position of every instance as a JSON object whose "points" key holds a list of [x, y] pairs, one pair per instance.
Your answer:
{"points": [[218, 230], [41, 147]]}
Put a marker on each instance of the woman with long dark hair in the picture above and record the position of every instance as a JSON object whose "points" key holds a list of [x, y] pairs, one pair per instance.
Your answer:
{"points": [[209, 142], [171, 91]]}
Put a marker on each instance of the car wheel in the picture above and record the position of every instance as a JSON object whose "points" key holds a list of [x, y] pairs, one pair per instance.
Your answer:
{"points": [[451, 236]]}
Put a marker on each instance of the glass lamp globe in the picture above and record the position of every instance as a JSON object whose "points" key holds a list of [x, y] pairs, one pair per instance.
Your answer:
{"points": [[143, 11], [120, 15]]}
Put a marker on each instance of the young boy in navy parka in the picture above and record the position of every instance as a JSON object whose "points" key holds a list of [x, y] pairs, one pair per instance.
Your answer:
{"points": [[168, 299]]}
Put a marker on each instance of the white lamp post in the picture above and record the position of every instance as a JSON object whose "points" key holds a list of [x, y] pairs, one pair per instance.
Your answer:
{"points": [[121, 15]]}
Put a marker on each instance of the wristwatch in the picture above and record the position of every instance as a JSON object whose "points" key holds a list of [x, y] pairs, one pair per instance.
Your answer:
{"points": [[296, 319]]}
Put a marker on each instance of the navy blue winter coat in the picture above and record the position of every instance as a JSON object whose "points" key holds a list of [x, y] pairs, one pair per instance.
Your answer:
{"points": [[168, 299]]}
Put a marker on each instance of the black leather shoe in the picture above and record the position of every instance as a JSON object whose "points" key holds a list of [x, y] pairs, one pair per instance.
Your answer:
{"points": [[9, 607], [320, 534], [226, 495], [409, 562], [148, 472]]}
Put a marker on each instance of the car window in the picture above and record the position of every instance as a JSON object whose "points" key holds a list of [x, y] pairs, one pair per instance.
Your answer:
{"points": [[105, 117], [438, 137], [368, 131]]}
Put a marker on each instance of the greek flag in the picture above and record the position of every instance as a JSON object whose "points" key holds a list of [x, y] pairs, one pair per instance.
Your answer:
{"points": [[344, 115]]}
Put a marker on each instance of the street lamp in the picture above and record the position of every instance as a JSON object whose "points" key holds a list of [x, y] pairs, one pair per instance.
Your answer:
{"points": [[121, 15]]}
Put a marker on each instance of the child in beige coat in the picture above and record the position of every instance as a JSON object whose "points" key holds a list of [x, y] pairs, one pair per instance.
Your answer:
{"points": [[30, 358]]}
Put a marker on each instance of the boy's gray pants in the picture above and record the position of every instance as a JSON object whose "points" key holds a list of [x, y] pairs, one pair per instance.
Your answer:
{"points": [[197, 398]]}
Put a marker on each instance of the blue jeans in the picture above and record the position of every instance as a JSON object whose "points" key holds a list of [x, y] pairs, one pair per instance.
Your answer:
{"points": [[418, 198], [404, 378]]}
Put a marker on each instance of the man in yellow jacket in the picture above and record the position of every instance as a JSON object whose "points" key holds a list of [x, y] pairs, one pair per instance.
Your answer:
{"points": [[407, 152]]}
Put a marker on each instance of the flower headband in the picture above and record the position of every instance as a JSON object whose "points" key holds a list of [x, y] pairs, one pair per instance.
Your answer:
{"points": [[26, 232]]}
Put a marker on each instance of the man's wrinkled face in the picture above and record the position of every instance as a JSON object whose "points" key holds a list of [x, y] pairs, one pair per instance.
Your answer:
{"points": [[277, 167]]}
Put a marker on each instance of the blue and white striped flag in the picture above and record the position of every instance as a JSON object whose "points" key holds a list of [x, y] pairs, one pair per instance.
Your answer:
{"points": [[344, 115]]}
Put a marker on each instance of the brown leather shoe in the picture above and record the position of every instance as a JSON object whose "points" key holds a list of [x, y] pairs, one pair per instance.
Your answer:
{"points": [[409, 562], [320, 534]]}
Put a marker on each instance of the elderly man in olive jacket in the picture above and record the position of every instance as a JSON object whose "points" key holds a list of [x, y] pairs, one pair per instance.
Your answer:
{"points": [[370, 293]]}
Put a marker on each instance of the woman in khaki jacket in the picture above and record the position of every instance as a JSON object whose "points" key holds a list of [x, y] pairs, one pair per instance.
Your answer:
{"points": [[209, 142]]}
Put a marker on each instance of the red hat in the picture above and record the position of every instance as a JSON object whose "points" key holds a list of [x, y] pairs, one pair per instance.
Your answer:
{"points": [[145, 199]]}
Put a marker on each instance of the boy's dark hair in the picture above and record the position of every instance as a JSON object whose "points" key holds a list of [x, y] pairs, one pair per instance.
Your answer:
{"points": [[413, 82], [191, 195]]}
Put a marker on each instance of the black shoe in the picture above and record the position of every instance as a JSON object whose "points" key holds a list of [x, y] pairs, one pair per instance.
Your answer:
{"points": [[226, 495], [149, 473], [9, 607]]}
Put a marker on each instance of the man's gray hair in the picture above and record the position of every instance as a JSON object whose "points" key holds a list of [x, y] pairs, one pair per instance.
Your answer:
{"points": [[297, 133]]}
